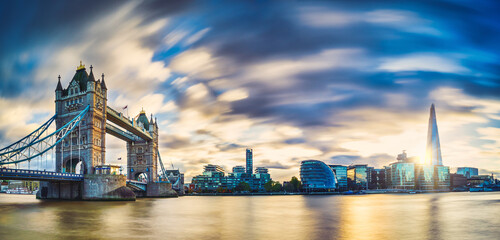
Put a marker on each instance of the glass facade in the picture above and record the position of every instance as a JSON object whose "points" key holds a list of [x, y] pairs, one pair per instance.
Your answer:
{"points": [[403, 175], [317, 176], [442, 177], [358, 177], [425, 175], [341, 175], [467, 171]]}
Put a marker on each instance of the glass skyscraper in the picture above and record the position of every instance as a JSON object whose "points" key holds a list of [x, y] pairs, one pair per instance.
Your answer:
{"points": [[433, 152], [249, 161]]}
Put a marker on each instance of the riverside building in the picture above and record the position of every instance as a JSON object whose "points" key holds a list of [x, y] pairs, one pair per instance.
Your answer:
{"points": [[316, 176]]}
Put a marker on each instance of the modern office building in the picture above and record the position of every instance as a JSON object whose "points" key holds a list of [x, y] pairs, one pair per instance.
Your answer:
{"points": [[341, 175], [317, 176], [358, 177], [403, 175], [249, 157], [467, 171]]}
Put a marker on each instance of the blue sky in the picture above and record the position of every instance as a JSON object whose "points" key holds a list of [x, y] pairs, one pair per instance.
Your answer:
{"points": [[335, 81]]}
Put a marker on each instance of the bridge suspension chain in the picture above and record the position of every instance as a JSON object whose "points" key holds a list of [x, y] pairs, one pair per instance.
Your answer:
{"points": [[32, 146], [163, 174], [27, 140]]}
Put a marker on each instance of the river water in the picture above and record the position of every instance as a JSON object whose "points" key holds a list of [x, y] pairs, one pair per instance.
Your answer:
{"points": [[383, 216]]}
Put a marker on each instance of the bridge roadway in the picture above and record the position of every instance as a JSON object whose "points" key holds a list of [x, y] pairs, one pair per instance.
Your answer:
{"points": [[120, 120], [35, 175]]}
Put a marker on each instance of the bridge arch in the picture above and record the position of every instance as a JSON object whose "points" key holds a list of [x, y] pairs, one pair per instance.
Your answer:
{"points": [[75, 164], [141, 176]]}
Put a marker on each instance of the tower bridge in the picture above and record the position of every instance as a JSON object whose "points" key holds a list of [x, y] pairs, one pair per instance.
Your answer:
{"points": [[82, 119]]}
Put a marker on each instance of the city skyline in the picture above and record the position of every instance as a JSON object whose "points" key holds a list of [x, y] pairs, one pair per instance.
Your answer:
{"points": [[291, 81]]}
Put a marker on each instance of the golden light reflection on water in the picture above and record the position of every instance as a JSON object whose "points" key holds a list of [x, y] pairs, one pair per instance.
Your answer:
{"points": [[421, 216]]}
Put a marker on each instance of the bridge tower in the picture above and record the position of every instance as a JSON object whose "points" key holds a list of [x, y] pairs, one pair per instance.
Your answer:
{"points": [[87, 142], [142, 155]]}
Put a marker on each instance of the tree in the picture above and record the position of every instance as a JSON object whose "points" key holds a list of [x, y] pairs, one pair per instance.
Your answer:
{"points": [[243, 187], [289, 187], [268, 186], [277, 187], [297, 185]]}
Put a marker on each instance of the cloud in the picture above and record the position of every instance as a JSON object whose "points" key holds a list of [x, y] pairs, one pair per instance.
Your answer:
{"points": [[422, 62]]}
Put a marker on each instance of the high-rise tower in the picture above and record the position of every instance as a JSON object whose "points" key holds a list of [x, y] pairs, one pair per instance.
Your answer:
{"points": [[249, 161], [433, 152]]}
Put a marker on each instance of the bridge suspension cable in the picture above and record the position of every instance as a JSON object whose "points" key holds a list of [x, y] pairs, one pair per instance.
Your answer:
{"points": [[163, 174], [32, 146]]}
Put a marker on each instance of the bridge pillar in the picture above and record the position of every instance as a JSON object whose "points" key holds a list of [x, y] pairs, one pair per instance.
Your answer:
{"points": [[60, 190], [106, 187]]}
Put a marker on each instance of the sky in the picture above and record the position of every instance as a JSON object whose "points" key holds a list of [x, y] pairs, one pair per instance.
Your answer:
{"points": [[339, 81]]}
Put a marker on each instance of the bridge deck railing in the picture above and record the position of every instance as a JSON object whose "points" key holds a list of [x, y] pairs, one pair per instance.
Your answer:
{"points": [[38, 173]]}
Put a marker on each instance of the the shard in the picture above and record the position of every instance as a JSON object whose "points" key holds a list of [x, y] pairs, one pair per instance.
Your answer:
{"points": [[433, 153]]}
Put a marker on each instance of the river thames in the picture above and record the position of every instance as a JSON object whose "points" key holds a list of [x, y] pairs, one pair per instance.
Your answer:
{"points": [[383, 216]]}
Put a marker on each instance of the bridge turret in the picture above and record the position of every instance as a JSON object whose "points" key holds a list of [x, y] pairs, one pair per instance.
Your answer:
{"points": [[87, 145], [142, 155]]}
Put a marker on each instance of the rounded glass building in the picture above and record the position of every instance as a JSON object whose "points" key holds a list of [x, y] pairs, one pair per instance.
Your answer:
{"points": [[317, 176]]}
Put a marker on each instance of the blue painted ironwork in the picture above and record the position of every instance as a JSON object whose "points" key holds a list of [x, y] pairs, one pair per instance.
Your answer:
{"points": [[35, 175], [36, 148], [30, 138], [163, 175], [137, 185]]}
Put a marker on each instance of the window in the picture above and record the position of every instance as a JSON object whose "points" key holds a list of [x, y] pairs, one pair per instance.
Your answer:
{"points": [[139, 150]]}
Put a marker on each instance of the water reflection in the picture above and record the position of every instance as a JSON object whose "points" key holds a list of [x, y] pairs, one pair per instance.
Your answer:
{"points": [[422, 216]]}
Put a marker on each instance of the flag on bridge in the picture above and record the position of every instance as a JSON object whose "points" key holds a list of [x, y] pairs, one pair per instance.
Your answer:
{"points": [[125, 107]]}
